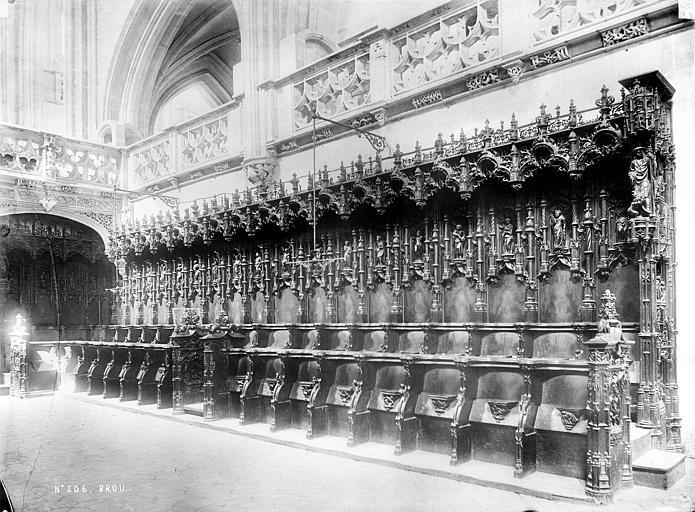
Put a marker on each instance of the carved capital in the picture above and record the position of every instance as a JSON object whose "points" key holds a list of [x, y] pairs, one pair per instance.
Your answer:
{"points": [[260, 169]]}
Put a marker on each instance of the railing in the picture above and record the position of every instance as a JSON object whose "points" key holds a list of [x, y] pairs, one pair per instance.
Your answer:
{"points": [[557, 17], [476, 41], [203, 141], [35, 155], [446, 46]]}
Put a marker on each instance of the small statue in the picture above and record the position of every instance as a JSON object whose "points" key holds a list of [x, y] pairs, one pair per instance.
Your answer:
{"points": [[621, 226], [507, 230], [608, 321], [380, 251], [458, 236], [258, 264], [347, 254], [559, 232], [641, 174], [285, 262], [660, 290], [589, 226], [419, 247]]}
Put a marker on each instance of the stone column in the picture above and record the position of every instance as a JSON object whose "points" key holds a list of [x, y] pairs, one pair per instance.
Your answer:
{"points": [[259, 24]]}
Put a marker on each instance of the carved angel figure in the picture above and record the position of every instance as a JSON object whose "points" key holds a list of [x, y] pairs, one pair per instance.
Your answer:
{"points": [[559, 229], [641, 174]]}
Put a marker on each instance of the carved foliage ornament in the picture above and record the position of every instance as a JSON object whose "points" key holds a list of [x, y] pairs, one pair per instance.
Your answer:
{"points": [[500, 409]]}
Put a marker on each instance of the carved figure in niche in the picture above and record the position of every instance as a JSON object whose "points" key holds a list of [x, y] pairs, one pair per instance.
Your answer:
{"points": [[380, 251], [589, 227], [507, 230], [641, 174], [621, 225], [458, 236], [347, 254], [660, 289], [559, 229], [236, 265], [419, 247], [285, 261], [257, 263], [43, 280]]}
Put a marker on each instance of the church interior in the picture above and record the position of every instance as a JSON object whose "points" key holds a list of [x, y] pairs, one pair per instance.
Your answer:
{"points": [[443, 228]]}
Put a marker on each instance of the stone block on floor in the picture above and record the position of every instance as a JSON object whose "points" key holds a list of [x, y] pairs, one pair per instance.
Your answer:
{"points": [[658, 469]]}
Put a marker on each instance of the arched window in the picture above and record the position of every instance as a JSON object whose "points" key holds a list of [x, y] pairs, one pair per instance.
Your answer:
{"points": [[191, 101]]}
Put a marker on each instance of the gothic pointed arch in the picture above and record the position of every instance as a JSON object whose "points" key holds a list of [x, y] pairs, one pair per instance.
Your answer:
{"points": [[163, 44]]}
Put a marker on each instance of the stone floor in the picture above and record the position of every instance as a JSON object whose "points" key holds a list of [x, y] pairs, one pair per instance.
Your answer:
{"points": [[59, 454]]}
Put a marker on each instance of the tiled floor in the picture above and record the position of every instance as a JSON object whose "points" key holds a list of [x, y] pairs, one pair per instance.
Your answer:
{"points": [[50, 445]]}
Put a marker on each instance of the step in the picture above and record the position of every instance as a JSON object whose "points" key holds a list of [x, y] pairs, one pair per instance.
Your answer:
{"points": [[640, 440], [658, 469], [195, 409]]}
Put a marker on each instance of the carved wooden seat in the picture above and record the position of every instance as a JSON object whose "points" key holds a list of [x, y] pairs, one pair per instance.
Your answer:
{"points": [[452, 342], [95, 374], [112, 372], [335, 337], [308, 375], [69, 362], [501, 343], [274, 390], [380, 340], [163, 376], [86, 353], [502, 417], [413, 341], [279, 339], [561, 422], [392, 406], [438, 408], [99, 332], [250, 373], [556, 345], [347, 401], [306, 339], [128, 377]]}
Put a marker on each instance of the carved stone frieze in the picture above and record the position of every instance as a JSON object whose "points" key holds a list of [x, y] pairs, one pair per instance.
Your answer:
{"points": [[625, 32]]}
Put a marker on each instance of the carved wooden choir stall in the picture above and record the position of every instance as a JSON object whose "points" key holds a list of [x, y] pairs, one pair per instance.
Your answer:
{"points": [[505, 297]]}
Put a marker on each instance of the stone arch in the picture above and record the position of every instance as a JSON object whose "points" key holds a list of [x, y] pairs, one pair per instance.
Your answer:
{"points": [[201, 76], [79, 217], [149, 32], [316, 46], [120, 134]]}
